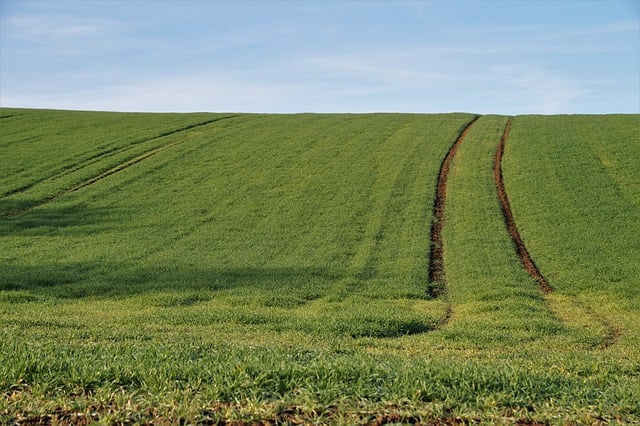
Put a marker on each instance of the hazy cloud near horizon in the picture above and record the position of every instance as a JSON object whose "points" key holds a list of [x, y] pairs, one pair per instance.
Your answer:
{"points": [[312, 56]]}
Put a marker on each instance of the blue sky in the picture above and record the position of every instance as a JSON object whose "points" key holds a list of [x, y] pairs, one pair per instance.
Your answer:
{"points": [[505, 57]]}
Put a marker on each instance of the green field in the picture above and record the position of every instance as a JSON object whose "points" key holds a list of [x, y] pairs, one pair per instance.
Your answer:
{"points": [[203, 268]]}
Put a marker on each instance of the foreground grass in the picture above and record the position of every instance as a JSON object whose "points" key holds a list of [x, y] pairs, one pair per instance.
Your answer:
{"points": [[131, 370], [199, 377], [274, 268]]}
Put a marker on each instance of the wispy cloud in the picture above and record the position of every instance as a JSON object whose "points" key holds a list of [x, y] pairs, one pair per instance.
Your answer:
{"points": [[60, 34], [626, 26], [540, 90], [507, 29], [357, 57], [370, 67], [31, 27], [56, 27], [196, 92]]}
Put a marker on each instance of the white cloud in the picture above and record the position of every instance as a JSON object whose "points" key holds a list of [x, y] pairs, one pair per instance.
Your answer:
{"points": [[632, 25], [406, 78], [212, 92], [383, 70], [60, 34], [364, 67], [56, 27], [539, 90]]}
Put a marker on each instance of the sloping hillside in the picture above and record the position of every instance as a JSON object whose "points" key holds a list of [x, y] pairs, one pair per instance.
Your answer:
{"points": [[217, 267]]}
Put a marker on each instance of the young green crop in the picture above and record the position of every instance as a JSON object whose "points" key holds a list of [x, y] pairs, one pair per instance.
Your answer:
{"points": [[49, 152], [493, 298], [290, 222], [575, 194], [274, 268]]}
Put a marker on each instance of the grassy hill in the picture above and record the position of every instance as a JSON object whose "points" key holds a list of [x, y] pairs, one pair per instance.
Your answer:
{"points": [[220, 267]]}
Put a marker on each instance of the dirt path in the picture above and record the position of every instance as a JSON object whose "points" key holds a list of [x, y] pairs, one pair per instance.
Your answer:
{"points": [[117, 168], [523, 253], [437, 283]]}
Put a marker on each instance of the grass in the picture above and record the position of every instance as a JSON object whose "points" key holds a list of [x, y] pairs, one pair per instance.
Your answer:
{"points": [[274, 268], [262, 226], [581, 221], [494, 299], [66, 149]]}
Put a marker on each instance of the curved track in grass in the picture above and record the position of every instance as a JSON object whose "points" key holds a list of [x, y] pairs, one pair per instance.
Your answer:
{"points": [[613, 332], [437, 283], [102, 155], [115, 169], [527, 262]]}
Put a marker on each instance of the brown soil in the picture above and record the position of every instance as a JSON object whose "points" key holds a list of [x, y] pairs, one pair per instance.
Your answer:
{"points": [[436, 255], [525, 257]]}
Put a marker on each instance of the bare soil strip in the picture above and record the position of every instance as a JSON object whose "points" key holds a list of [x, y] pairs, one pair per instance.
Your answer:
{"points": [[118, 167], [523, 253], [437, 283]]}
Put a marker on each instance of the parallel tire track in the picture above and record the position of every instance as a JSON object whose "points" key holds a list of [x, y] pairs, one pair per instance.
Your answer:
{"points": [[521, 249], [437, 283], [100, 156], [117, 168]]}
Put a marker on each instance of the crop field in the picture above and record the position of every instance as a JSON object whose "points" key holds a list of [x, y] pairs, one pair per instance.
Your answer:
{"points": [[319, 268]]}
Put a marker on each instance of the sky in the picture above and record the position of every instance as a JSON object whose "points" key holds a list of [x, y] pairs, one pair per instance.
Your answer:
{"points": [[502, 57]]}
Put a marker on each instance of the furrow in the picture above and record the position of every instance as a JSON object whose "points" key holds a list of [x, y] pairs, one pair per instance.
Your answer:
{"points": [[437, 283], [521, 249]]}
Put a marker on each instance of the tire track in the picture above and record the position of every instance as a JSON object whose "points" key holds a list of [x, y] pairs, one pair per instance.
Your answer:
{"points": [[72, 168], [521, 249], [612, 332], [117, 168], [437, 282]]}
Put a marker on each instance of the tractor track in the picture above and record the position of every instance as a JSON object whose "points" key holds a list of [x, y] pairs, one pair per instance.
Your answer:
{"points": [[115, 169], [71, 168], [612, 332], [437, 282], [521, 249]]}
